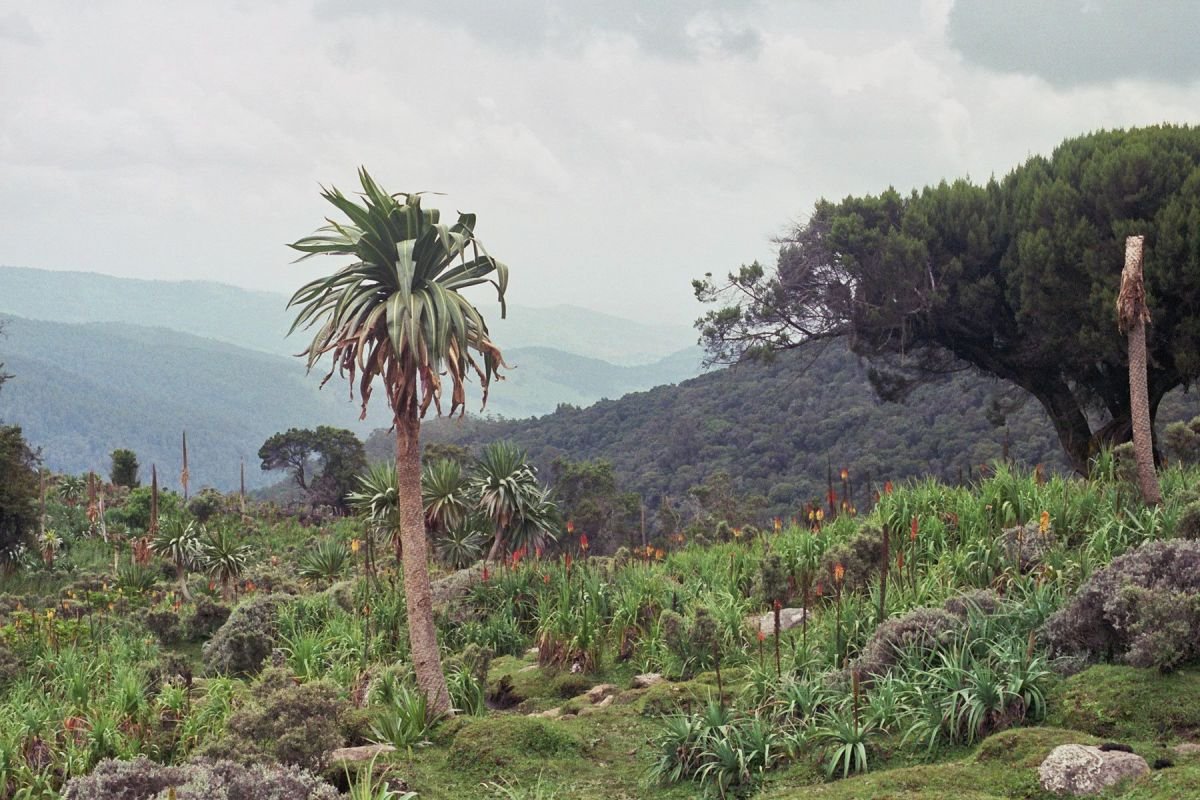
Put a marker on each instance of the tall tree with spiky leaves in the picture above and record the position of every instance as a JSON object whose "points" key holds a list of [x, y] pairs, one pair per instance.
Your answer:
{"points": [[396, 313]]}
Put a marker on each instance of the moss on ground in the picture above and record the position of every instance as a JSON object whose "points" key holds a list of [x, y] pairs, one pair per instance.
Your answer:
{"points": [[1130, 704]]}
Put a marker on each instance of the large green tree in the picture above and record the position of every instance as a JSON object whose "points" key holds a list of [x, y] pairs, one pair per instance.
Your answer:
{"points": [[396, 313], [324, 463], [1015, 278]]}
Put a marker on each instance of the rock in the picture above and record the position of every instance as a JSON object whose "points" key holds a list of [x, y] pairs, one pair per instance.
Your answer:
{"points": [[1186, 749], [589, 710], [1027, 544], [788, 619], [1080, 770], [553, 713], [601, 691], [356, 755], [646, 680]]}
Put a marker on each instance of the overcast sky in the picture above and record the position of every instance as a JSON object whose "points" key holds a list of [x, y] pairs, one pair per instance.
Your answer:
{"points": [[613, 150]]}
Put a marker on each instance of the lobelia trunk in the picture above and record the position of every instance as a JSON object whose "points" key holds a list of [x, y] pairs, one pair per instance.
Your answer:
{"points": [[418, 594], [1132, 316]]}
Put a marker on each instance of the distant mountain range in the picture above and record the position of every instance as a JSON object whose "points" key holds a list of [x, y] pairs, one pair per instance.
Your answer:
{"points": [[260, 320], [103, 362]]}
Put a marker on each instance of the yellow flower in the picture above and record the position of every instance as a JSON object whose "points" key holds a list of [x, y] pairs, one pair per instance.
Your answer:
{"points": [[1044, 523], [49, 613], [354, 545]]}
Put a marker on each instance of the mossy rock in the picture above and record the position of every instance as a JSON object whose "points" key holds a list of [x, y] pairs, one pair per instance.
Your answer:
{"points": [[567, 685], [509, 743], [1027, 747], [671, 698], [1129, 704]]}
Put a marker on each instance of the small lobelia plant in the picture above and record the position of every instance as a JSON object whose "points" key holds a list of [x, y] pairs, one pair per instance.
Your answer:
{"points": [[326, 562]]}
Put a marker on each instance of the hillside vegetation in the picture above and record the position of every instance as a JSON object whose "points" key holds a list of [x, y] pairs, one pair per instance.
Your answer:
{"points": [[776, 428]]}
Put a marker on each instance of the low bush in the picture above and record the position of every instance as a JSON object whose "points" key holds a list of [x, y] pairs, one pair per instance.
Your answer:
{"points": [[201, 779], [289, 723], [247, 637], [1143, 610], [918, 633], [861, 556], [204, 619]]}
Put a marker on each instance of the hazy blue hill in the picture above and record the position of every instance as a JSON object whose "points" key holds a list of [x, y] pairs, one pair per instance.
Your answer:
{"points": [[260, 320], [253, 320], [81, 391], [542, 378]]}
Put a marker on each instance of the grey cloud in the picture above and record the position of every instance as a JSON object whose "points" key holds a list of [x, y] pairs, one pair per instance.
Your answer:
{"points": [[673, 29], [17, 28], [1081, 42]]}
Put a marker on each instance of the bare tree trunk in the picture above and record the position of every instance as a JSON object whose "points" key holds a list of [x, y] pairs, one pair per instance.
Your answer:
{"points": [[497, 543], [418, 594], [1132, 317]]}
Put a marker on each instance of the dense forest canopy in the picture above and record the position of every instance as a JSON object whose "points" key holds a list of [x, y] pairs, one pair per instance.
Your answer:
{"points": [[1015, 278]]}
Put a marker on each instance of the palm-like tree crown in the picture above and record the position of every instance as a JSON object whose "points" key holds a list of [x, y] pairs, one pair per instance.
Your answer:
{"points": [[396, 311]]}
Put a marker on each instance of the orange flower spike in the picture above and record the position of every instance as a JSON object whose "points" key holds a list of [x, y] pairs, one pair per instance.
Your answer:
{"points": [[546, 578], [570, 527], [761, 635], [845, 474], [485, 573], [839, 573], [583, 542], [820, 515], [913, 528], [887, 487], [355, 544], [778, 524], [1044, 522]]}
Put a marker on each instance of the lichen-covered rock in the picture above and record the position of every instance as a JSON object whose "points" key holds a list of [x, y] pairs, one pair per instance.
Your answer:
{"points": [[788, 618], [1080, 770], [646, 680], [358, 755], [601, 691], [1027, 545]]}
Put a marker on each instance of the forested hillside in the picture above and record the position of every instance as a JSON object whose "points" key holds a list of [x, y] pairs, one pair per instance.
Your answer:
{"points": [[81, 391], [775, 428]]}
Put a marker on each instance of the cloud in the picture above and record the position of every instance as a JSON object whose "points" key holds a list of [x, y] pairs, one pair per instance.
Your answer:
{"points": [[16, 28], [672, 29], [1081, 42]]}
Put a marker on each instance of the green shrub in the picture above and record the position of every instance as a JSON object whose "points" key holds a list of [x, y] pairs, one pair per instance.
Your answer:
{"points": [[1142, 609], [289, 723], [861, 556], [200, 779], [204, 619], [247, 637], [163, 623], [1188, 526], [916, 634]]}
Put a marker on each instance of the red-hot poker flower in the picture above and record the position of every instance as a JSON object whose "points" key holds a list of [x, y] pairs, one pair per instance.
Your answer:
{"points": [[570, 526], [845, 474], [485, 573], [761, 635], [583, 542], [546, 578], [887, 487], [839, 572], [913, 528], [778, 524]]}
